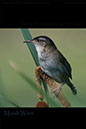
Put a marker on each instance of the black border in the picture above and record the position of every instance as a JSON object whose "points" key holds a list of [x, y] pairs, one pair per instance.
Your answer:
{"points": [[56, 118], [47, 14]]}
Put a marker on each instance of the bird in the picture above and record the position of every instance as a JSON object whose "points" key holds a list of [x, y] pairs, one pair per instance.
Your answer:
{"points": [[52, 62]]}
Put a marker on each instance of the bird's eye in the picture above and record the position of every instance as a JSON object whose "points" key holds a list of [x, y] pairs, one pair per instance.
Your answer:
{"points": [[38, 40]]}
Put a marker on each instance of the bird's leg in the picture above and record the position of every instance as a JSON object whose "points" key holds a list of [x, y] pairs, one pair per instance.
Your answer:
{"points": [[57, 90]]}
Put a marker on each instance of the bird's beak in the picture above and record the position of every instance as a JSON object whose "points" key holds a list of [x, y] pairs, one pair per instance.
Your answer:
{"points": [[27, 41]]}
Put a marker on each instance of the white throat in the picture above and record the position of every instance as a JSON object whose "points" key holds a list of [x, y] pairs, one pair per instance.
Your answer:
{"points": [[39, 50]]}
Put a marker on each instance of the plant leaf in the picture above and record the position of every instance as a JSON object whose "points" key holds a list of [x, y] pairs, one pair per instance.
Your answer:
{"points": [[26, 34], [31, 47], [32, 84]]}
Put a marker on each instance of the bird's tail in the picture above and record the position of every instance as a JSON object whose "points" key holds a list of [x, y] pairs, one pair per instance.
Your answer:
{"points": [[72, 87]]}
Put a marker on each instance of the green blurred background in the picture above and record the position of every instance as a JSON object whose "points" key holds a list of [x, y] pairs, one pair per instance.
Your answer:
{"points": [[71, 42]]}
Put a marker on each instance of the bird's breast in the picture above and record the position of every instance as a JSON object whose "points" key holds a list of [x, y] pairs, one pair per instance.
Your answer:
{"points": [[52, 65], [47, 62]]}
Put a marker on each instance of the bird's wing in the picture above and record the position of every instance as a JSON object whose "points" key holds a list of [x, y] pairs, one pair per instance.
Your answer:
{"points": [[63, 60]]}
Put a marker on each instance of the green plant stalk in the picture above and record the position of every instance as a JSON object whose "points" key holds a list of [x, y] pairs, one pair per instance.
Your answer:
{"points": [[31, 83], [26, 34], [34, 86]]}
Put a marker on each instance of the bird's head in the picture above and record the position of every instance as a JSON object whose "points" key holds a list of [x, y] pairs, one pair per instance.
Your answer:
{"points": [[40, 41]]}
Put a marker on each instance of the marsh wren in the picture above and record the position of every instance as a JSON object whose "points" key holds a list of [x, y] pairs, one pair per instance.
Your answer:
{"points": [[52, 62]]}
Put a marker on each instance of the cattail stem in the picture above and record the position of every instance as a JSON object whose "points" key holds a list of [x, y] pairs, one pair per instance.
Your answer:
{"points": [[51, 83]]}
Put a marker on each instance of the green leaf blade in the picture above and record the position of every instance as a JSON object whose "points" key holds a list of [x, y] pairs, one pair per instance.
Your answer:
{"points": [[27, 36]]}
